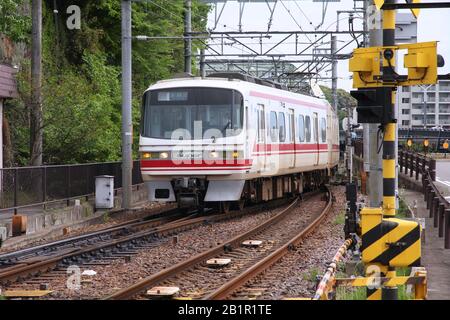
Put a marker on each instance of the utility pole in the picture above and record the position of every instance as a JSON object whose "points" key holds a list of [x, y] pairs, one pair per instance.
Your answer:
{"points": [[334, 77], [389, 292], [187, 35], [36, 85], [375, 179], [202, 63], [127, 136], [349, 147]]}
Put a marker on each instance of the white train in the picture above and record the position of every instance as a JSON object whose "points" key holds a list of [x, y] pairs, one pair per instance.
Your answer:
{"points": [[229, 139]]}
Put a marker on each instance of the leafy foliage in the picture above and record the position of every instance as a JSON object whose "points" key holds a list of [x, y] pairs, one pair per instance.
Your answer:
{"points": [[81, 81], [344, 100], [13, 24]]}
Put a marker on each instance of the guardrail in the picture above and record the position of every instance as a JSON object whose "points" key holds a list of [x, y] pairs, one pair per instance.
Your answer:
{"points": [[25, 187], [327, 288], [422, 168], [416, 164]]}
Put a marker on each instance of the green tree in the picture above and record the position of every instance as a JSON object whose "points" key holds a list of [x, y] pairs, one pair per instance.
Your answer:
{"points": [[81, 82]]}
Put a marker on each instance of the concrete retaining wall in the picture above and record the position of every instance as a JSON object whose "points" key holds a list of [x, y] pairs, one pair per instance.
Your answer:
{"points": [[81, 210]]}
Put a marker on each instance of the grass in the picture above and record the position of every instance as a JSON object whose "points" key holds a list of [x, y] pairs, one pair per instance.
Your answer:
{"points": [[403, 211], [311, 275], [106, 217], [360, 293], [340, 219]]}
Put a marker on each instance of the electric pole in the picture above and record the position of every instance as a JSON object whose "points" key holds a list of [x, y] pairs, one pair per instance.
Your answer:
{"points": [[371, 139], [127, 129], [36, 125], [187, 35]]}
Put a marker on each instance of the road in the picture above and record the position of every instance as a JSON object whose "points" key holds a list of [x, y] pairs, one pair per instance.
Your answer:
{"points": [[443, 177]]}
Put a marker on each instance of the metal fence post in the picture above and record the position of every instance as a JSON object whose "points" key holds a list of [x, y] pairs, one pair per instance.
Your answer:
{"points": [[417, 167], [44, 185], [441, 213], [429, 200], [16, 189], [435, 211], [432, 168], [68, 186], [447, 229]]}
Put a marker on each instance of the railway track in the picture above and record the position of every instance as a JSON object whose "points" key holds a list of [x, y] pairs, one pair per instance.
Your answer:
{"points": [[199, 281], [45, 262], [52, 249]]}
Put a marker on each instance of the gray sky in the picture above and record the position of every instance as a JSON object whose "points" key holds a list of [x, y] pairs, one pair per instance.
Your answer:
{"points": [[433, 25]]}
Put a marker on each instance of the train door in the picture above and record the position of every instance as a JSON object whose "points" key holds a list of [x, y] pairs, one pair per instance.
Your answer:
{"points": [[291, 127], [261, 136], [316, 137]]}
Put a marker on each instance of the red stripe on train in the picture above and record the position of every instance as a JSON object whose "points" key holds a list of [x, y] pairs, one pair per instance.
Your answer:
{"points": [[194, 164]]}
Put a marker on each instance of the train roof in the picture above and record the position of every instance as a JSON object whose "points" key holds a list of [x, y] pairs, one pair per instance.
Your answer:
{"points": [[233, 81]]}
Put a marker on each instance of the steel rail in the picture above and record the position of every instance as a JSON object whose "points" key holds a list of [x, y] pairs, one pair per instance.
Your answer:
{"points": [[232, 285], [129, 292], [74, 255], [153, 220]]}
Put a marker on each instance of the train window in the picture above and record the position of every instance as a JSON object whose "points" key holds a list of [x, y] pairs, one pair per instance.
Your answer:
{"points": [[273, 127], [301, 128], [192, 113], [282, 126], [261, 123], [323, 129], [291, 126], [308, 128]]}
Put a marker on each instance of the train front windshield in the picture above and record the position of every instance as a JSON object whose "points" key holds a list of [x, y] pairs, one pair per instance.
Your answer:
{"points": [[192, 113]]}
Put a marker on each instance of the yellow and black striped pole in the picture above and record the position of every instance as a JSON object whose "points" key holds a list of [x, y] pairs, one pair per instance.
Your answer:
{"points": [[390, 130]]}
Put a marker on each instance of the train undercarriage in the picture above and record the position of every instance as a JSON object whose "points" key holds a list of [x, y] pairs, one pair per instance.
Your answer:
{"points": [[194, 192]]}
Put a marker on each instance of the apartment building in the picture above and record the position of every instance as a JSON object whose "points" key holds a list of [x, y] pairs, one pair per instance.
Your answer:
{"points": [[424, 106]]}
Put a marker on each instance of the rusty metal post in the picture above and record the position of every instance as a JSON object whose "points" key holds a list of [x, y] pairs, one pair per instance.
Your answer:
{"points": [[425, 190], [429, 199], [441, 213], [424, 166], [434, 200], [435, 211], [432, 168], [400, 161], [417, 167], [447, 229], [406, 162]]}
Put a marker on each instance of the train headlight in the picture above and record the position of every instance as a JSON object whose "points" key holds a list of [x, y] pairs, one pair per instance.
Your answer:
{"points": [[146, 155], [164, 155]]}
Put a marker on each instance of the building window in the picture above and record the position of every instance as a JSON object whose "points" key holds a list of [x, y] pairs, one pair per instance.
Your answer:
{"points": [[405, 122], [405, 89], [405, 100], [406, 111]]}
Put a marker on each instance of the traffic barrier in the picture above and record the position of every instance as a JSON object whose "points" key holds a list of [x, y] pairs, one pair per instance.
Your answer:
{"points": [[325, 285]]}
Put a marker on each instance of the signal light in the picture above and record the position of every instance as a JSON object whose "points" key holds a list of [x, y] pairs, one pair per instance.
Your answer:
{"points": [[409, 143]]}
